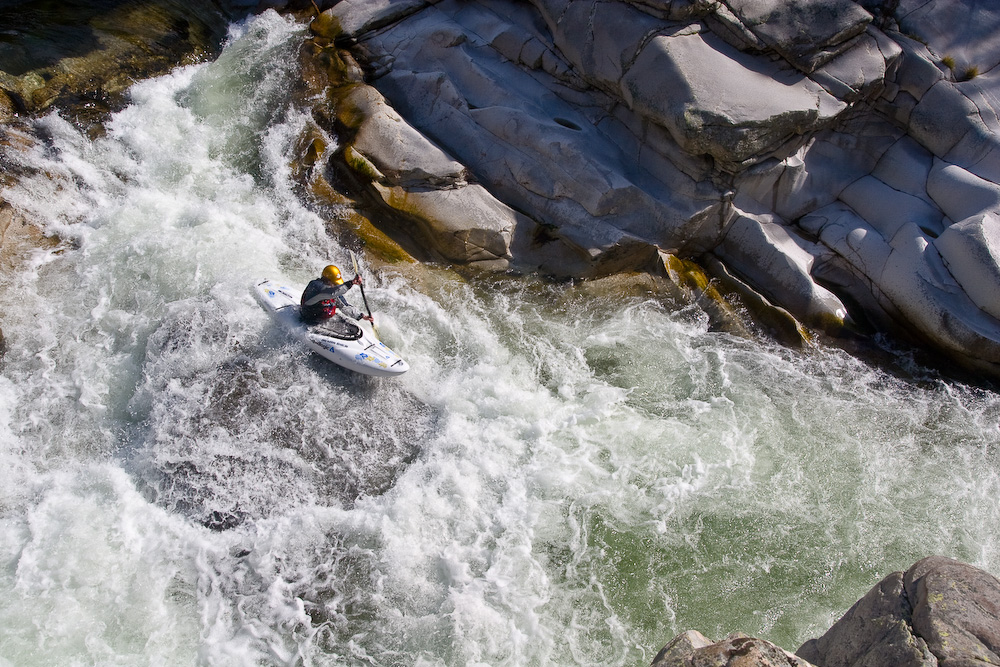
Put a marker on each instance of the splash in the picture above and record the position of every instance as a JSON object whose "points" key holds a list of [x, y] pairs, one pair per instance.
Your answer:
{"points": [[561, 478]]}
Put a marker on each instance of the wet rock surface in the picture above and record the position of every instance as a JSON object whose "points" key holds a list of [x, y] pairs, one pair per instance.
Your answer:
{"points": [[81, 57]]}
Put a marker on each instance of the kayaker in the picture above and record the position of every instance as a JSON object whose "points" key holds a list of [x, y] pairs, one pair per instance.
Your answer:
{"points": [[323, 296]]}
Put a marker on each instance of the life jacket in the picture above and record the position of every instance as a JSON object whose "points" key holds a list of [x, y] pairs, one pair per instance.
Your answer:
{"points": [[317, 312]]}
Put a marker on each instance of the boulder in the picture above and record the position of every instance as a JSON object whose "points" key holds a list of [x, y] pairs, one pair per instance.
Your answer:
{"points": [[877, 630], [807, 33], [693, 649], [956, 609], [971, 251], [718, 101], [777, 261], [940, 612], [460, 221], [353, 18], [464, 225], [401, 154]]}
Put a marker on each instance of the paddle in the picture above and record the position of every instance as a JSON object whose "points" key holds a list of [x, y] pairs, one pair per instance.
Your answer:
{"points": [[354, 259]]}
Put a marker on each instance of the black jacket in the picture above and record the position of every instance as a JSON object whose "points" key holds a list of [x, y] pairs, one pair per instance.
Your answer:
{"points": [[321, 300]]}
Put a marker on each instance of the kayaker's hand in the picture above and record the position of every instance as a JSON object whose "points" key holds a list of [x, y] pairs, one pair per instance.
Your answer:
{"points": [[357, 280], [369, 318]]}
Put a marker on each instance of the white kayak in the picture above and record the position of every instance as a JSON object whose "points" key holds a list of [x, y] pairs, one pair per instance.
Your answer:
{"points": [[340, 339]]}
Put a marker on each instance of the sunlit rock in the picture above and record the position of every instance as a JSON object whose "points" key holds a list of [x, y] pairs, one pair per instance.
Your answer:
{"points": [[465, 225], [354, 17], [717, 100], [821, 158], [413, 176], [774, 256], [971, 251], [398, 152], [940, 611], [807, 33], [736, 650], [538, 152]]}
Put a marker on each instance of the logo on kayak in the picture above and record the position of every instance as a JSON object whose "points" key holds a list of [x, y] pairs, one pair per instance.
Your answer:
{"points": [[366, 358]]}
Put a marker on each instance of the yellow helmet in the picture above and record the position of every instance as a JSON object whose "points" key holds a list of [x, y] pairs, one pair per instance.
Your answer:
{"points": [[332, 274]]}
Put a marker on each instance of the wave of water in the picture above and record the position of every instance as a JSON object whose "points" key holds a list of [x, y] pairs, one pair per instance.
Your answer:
{"points": [[566, 475]]}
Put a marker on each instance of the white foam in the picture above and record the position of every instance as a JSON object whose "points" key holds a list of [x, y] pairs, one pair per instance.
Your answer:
{"points": [[559, 478]]}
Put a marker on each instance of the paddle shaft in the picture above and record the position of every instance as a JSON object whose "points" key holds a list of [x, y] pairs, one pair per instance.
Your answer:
{"points": [[354, 260]]}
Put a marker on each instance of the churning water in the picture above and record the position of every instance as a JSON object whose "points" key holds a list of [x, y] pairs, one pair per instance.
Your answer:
{"points": [[561, 478]]}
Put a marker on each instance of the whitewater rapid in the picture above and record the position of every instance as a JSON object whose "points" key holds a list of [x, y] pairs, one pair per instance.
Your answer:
{"points": [[568, 474]]}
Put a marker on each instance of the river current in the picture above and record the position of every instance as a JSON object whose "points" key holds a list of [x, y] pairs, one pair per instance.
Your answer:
{"points": [[564, 476]]}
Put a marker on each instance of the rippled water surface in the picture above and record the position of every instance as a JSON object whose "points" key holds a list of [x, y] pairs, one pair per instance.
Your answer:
{"points": [[563, 477]]}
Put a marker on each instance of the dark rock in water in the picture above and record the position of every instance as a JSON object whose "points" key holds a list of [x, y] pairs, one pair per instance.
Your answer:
{"points": [[940, 612], [81, 57], [219, 521]]}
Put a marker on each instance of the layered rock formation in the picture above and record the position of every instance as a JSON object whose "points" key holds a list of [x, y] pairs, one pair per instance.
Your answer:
{"points": [[838, 158]]}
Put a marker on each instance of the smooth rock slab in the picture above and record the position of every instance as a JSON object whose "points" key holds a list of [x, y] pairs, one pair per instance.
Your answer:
{"points": [[960, 193], [777, 262], [356, 17], [861, 70], [716, 100], [401, 154], [465, 224], [971, 251], [887, 209], [807, 33]]}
